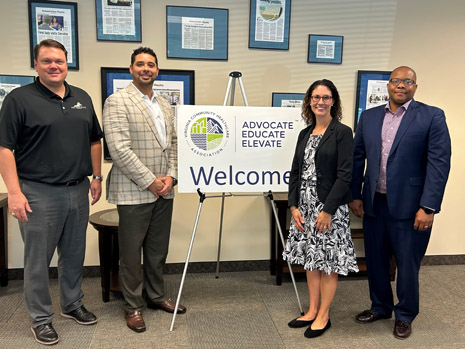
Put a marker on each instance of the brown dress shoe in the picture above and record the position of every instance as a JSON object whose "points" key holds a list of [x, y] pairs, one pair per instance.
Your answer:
{"points": [[402, 329], [135, 321], [167, 305]]}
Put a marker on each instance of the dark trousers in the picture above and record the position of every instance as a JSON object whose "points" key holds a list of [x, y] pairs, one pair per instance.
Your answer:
{"points": [[384, 236], [58, 221], [143, 227]]}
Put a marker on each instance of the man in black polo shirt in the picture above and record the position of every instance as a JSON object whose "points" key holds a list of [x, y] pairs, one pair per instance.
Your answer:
{"points": [[49, 144]]}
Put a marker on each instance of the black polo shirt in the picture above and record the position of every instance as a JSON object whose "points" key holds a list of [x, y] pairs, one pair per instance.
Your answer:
{"points": [[50, 135]]}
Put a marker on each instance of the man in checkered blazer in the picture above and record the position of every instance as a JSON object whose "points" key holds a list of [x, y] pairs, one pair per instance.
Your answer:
{"points": [[141, 138]]}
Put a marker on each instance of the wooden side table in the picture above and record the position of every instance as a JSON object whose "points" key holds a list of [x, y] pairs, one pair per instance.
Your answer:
{"points": [[106, 223], [3, 239]]}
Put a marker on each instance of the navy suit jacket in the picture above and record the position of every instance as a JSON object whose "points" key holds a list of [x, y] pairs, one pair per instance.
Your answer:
{"points": [[418, 164]]}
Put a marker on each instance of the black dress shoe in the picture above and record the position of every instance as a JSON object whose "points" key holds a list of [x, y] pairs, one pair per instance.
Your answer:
{"points": [[81, 315], [45, 334], [402, 329], [370, 316], [309, 333], [299, 323]]}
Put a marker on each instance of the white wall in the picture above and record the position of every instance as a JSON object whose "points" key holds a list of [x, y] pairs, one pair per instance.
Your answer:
{"points": [[427, 35]]}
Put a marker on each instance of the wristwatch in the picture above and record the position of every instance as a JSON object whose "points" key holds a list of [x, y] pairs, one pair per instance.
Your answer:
{"points": [[427, 210], [100, 178], [175, 181]]}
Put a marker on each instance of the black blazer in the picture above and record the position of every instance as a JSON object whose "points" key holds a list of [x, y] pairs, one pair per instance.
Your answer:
{"points": [[333, 161]]}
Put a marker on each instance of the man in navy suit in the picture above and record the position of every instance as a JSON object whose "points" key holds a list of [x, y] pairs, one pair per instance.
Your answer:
{"points": [[407, 149]]}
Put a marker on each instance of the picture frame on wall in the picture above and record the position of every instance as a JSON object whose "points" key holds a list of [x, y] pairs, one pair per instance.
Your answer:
{"points": [[58, 21], [9, 82], [325, 49], [118, 20], [287, 100], [177, 86], [269, 24], [197, 33], [371, 91]]}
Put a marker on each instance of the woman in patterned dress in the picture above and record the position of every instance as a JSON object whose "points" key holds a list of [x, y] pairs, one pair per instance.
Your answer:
{"points": [[319, 190]]}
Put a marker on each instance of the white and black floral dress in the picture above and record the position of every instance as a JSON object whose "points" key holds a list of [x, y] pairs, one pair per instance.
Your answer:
{"points": [[332, 251]]}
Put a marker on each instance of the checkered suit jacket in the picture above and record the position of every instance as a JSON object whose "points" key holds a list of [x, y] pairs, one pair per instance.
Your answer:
{"points": [[134, 145]]}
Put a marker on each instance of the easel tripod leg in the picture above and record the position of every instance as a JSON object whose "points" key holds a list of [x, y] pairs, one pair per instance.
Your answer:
{"points": [[186, 264], [219, 238], [275, 213]]}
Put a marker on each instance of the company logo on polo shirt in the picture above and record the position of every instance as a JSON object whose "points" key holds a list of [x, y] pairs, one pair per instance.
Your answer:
{"points": [[78, 105], [206, 133]]}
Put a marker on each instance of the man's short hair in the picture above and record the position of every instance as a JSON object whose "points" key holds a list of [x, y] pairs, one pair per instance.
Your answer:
{"points": [[405, 67], [49, 43], [140, 50]]}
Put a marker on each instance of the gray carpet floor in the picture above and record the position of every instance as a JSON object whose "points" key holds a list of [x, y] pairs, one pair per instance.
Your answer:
{"points": [[246, 310]]}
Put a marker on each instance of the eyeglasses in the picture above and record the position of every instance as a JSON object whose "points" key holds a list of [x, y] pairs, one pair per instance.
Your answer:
{"points": [[325, 98], [407, 82]]}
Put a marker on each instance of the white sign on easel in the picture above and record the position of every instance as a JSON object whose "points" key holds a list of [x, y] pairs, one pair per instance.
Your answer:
{"points": [[236, 149]]}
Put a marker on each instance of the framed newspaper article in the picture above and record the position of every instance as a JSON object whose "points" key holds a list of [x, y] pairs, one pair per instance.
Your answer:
{"points": [[269, 24], [118, 20], [325, 49], [197, 33], [177, 86], [58, 21], [371, 91], [287, 100], [10, 82]]}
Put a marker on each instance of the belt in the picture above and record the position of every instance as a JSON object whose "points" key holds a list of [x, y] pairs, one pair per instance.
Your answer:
{"points": [[383, 195], [64, 184], [69, 183]]}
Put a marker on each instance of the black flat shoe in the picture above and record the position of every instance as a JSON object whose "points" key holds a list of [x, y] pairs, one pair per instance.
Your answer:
{"points": [[299, 323], [309, 333]]}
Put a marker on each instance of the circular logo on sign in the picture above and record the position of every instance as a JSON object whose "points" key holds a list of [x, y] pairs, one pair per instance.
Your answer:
{"points": [[206, 133]]}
